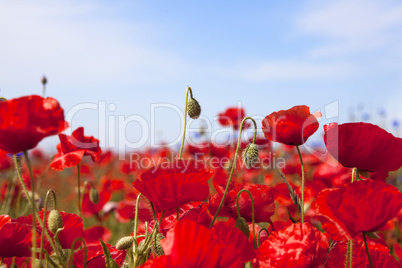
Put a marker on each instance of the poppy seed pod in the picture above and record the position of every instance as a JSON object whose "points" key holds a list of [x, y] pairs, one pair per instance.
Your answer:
{"points": [[156, 246], [250, 155], [94, 195], [54, 221], [44, 80], [125, 243], [193, 108]]}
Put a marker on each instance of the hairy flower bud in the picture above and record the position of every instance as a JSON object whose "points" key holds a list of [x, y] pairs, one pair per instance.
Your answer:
{"points": [[250, 155], [54, 221], [125, 243], [193, 108], [94, 195], [44, 80], [157, 245]]}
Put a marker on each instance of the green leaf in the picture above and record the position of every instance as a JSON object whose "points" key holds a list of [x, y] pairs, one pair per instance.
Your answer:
{"points": [[110, 263], [242, 224]]}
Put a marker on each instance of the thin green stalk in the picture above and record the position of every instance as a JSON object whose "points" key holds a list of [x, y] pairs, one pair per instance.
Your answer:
{"points": [[347, 255], [80, 239], [44, 218], [252, 212], [177, 213], [351, 254], [302, 170], [185, 121], [42, 225], [367, 250], [234, 165], [259, 234], [33, 208], [79, 189]]}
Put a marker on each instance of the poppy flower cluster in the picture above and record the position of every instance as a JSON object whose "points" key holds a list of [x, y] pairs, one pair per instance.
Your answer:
{"points": [[191, 213]]}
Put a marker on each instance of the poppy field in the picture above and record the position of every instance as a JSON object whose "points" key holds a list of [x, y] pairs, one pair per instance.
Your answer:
{"points": [[260, 201]]}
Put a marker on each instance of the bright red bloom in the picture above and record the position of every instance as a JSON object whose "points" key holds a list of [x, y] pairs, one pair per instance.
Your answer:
{"points": [[380, 255], [25, 121], [294, 247], [96, 258], [72, 149], [190, 244], [364, 146], [291, 127], [361, 206], [263, 197], [233, 116], [171, 185], [15, 238]]}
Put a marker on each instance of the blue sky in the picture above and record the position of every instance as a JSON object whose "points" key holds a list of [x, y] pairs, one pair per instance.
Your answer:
{"points": [[268, 55]]}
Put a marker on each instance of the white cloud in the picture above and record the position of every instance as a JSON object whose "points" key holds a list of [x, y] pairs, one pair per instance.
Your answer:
{"points": [[353, 27]]}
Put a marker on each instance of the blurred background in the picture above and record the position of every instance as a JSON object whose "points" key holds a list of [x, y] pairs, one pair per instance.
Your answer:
{"points": [[108, 60]]}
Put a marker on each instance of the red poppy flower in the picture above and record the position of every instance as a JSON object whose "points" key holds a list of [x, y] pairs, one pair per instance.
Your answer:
{"points": [[190, 244], [362, 206], [233, 116], [15, 238], [96, 258], [94, 233], [296, 246], [263, 197], [364, 146], [72, 149], [89, 208], [379, 254], [4, 160], [291, 127], [170, 185], [25, 121]]}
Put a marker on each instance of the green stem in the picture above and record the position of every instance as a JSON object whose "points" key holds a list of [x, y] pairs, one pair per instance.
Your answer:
{"points": [[136, 215], [302, 170], [354, 171], [347, 255], [234, 165], [252, 211], [42, 225], [367, 250], [33, 208], [44, 217], [185, 120], [177, 213], [80, 239], [79, 189], [351, 254]]}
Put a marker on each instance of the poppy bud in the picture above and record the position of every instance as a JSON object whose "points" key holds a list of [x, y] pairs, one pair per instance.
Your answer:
{"points": [[94, 195], [44, 80], [125, 243], [147, 252], [250, 155], [157, 245], [242, 224], [54, 221], [193, 108]]}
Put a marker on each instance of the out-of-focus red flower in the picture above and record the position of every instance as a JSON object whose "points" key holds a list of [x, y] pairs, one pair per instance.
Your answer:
{"points": [[291, 127], [296, 246], [4, 160], [72, 149], [171, 185], [361, 206], [94, 233], [25, 121], [364, 146], [88, 208], [380, 255], [190, 244], [232, 117], [96, 258], [125, 211], [15, 238], [263, 197]]}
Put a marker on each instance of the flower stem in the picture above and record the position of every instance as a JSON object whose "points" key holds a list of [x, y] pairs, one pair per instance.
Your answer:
{"points": [[350, 253], [259, 234], [177, 213], [234, 165], [185, 120], [252, 211], [347, 255], [79, 189], [33, 207], [44, 217], [302, 170], [367, 250], [42, 225]]}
